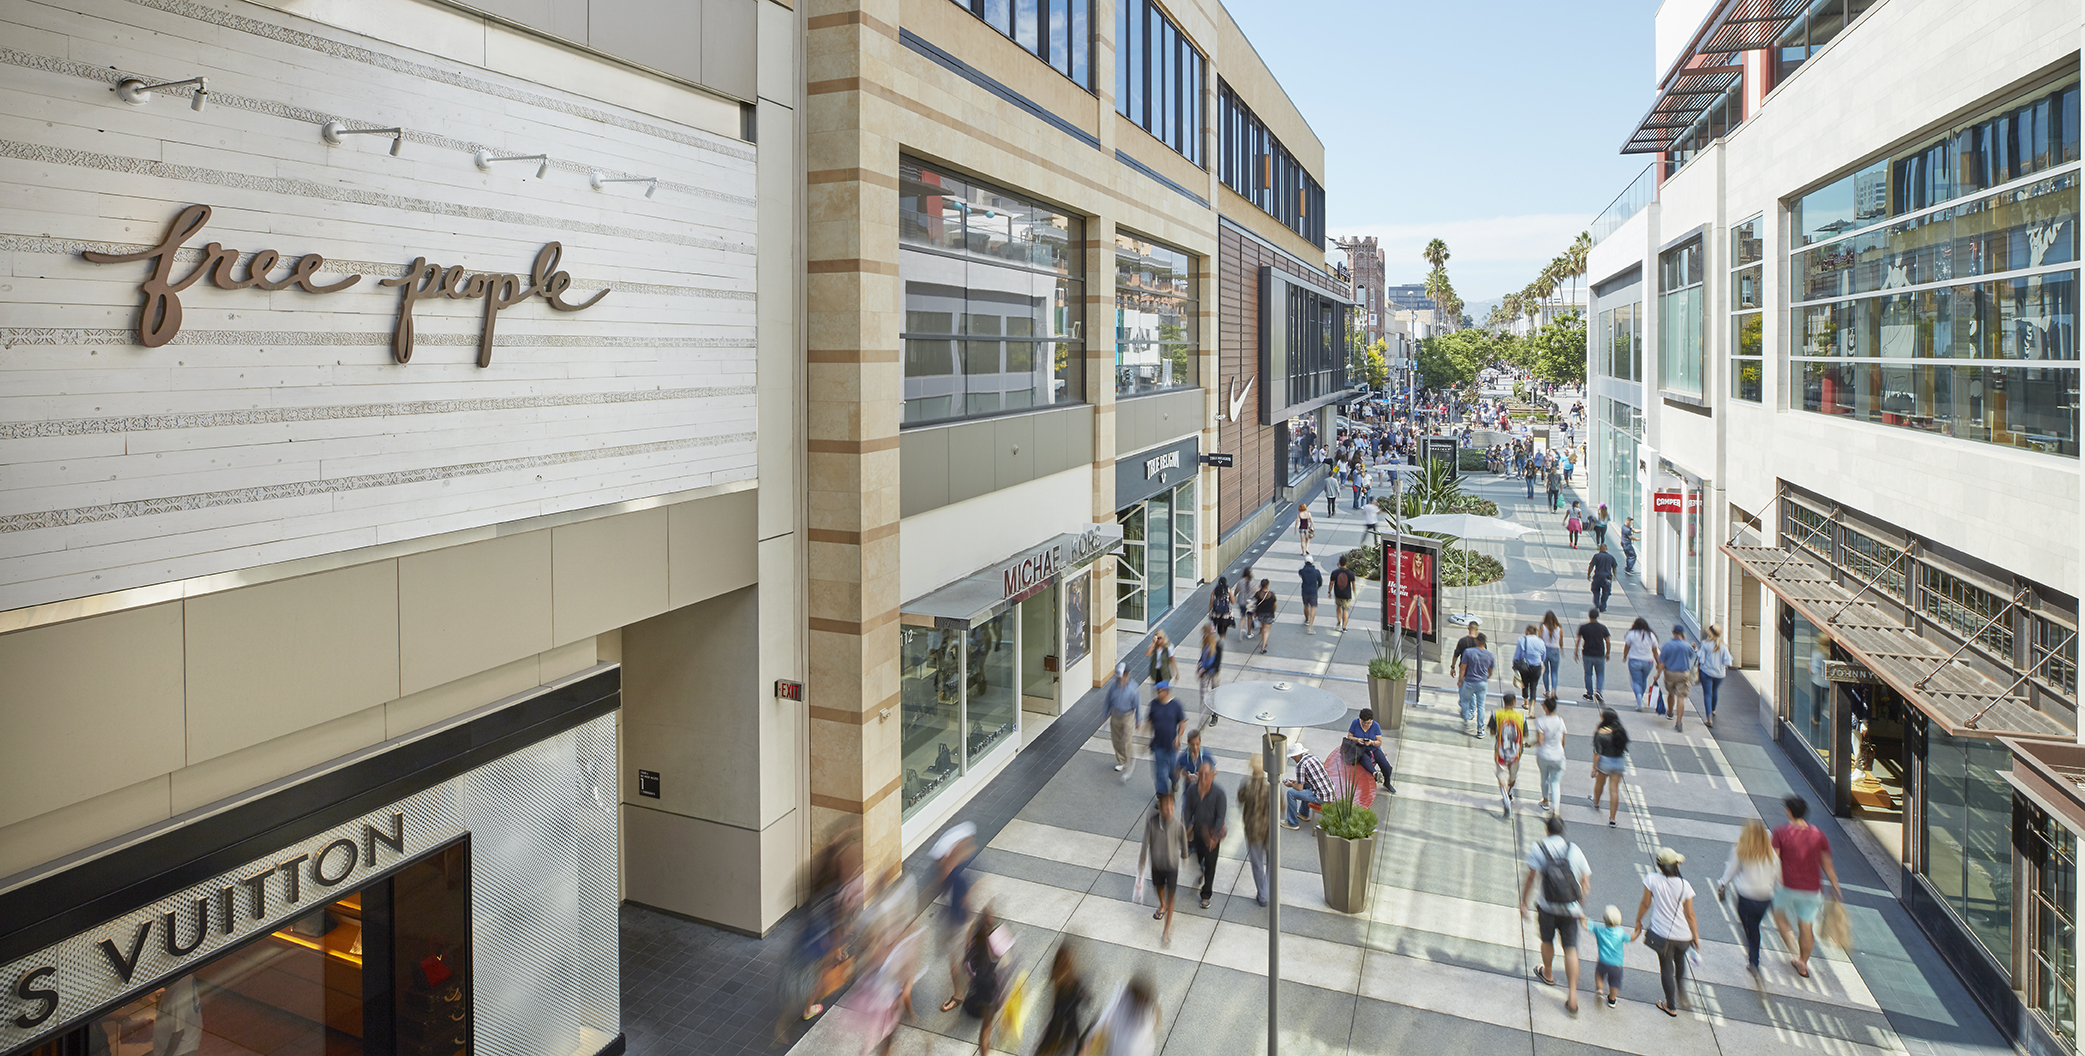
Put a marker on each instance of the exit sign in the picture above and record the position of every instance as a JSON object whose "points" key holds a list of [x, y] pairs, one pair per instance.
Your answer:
{"points": [[788, 690]]}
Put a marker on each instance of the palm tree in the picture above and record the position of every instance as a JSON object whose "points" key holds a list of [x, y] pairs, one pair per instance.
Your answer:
{"points": [[1436, 254], [1579, 253]]}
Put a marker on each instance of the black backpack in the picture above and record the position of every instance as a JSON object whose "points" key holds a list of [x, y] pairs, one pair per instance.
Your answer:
{"points": [[1559, 883]]}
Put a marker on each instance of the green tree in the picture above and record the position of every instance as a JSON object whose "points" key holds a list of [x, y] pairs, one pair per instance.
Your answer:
{"points": [[1557, 351], [1452, 360], [1375, 364]]}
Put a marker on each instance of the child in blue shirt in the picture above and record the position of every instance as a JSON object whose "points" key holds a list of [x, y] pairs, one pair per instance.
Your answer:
{"points": [[1612, 938]]}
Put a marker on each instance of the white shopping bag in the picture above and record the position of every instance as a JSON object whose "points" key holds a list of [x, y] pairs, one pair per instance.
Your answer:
{"points": [[1137, 895]]}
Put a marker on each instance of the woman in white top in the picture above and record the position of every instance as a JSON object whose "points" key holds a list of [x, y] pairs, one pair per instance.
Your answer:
{"points": [[1669, 900], [1552, 650], [1712, 661], [1754, 868], [1549, 754], [1640, 649]]}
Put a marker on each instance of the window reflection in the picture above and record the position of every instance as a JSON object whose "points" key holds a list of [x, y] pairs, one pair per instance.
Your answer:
{"points": [[1156, 313], [1968, 823], [994, 298]]}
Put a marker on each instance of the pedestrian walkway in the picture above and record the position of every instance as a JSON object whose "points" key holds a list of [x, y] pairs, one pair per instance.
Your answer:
{"points": [[1441, 960]]}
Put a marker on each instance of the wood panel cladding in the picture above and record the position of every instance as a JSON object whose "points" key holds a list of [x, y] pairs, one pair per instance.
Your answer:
{"points": [[1251, 483]]}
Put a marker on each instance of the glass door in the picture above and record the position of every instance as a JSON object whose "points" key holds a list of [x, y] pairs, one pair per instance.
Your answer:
{"points": [[1039, 651], [1158, 535], [1184, 511], [1130, 600]]}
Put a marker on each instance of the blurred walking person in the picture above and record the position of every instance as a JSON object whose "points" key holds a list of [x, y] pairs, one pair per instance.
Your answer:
{"points": [[1754, 869], [1165, 844], [1069, 997], [1548, 733], [1207, 668], [952, 854], [1253, 813], [1129, 1027], [1208, 811], [1123, 705], [1610, 760]]}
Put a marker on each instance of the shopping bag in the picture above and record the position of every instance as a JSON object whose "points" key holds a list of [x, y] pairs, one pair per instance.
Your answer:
{"points": [[1013, 1014], [1834, 926], [1657, 696], [1137, 894]]}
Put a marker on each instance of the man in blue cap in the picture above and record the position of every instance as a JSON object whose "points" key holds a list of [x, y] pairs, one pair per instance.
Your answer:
{"points": [[1165, 719]]}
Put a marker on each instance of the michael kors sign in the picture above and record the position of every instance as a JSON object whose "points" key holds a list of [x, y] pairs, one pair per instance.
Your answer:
{"points": [[159, 317]]}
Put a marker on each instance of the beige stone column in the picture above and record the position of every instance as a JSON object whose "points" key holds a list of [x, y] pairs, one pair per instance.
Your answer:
{"points": [[853, 407], [1100, 391]]}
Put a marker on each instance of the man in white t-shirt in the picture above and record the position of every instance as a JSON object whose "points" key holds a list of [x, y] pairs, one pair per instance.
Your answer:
{"points": [[1371, 518]]}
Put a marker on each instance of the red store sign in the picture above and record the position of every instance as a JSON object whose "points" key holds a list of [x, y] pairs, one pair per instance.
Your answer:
{"points": [[1669, 501]]}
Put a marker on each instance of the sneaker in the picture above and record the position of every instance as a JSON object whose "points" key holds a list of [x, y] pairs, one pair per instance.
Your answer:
{"points": [[1118, 768], [1610, 1000]]}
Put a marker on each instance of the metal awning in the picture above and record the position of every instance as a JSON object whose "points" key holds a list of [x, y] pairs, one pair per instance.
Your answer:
{"points": [[1964, 701], [1749, 25], [990, 591], [1679, 105], [2051, 775]]}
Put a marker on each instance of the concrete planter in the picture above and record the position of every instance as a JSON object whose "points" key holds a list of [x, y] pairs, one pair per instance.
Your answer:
{"points": [[1386, 698], [1345, 866]]}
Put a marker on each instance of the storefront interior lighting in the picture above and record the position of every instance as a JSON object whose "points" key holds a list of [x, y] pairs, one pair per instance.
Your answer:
{"points": [[598, 180], [334, 130], [484, 161], [136, 92]]}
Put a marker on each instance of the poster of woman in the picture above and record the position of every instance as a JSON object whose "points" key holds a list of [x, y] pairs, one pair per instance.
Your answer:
{"points": [[1077, 627]]}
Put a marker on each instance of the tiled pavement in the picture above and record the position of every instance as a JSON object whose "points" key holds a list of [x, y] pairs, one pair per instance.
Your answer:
{"points": [[1440, 961]]}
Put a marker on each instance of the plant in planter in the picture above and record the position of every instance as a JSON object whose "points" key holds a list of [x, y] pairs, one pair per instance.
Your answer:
{"points": [[1346, 853], [1387, 676]]}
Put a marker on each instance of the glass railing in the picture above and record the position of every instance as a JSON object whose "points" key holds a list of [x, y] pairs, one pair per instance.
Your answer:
{"points": [[1640, 192]]}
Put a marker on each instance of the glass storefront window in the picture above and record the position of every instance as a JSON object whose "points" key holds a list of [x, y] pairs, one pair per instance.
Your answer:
{"points": [[2033, 409], [994, 701], [1299, 436], [994, 299], [930, 700], [1156, 342], [322, 983], [1807, 690], [1184, 534], [2052, 863], [1968, 824]]}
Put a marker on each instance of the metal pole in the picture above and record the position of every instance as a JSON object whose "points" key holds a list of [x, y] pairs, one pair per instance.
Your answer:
{"points": [[1274, 741]]}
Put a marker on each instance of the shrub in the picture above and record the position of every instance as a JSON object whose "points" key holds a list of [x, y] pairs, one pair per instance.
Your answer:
{"points": [[1341, 819], [1365, 563], [1469, 458], [1472, 504], [1482, 568]]}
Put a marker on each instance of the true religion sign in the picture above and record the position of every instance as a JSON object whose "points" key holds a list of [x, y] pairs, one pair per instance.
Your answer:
{"points": [[159, 317]]}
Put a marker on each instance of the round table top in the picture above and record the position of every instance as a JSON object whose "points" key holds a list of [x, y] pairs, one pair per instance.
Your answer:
{"points": [[1274, 704]]}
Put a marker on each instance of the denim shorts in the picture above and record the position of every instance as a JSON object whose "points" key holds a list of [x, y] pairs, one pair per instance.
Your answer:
{"points": [[1612, 764], [1803, 906]]}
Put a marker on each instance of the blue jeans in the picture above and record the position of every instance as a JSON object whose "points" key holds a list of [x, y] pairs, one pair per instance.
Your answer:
{"points": [[1710, 686], [1595, 675], [1552, 658], [1296, 800], [1602, 590], [1472, 696], [1552, 780], [1629, 557], [1163, 760], [1531, 487], [1640, 678]]}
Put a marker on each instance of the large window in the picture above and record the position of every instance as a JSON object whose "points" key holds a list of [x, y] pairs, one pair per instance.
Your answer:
{"points": [[1747, 298], [1807, 689], [994, 299], [1881, 296], [1808, 35], [1256, 165], [1968, 823], [1155, 316], [1059, 32], [2051, 852], [958, 700], [1160, 78], [1618, 340], [1679, 320]]}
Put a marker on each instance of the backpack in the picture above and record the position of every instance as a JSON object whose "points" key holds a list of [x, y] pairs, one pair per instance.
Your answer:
{"points": [[1559, 883]]}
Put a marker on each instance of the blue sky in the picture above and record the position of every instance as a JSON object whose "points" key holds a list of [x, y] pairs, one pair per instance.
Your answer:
{"points": [[1492, 124]]}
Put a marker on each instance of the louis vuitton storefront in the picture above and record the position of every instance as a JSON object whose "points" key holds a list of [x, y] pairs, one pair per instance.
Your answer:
{"points": [[458, 886]]}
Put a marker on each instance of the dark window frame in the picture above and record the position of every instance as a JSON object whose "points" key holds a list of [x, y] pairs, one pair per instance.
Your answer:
{"points": [[1077, 65]]}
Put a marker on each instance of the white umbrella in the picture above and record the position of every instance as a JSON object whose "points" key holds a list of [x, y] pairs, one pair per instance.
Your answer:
{"points": [[1466, 526]]}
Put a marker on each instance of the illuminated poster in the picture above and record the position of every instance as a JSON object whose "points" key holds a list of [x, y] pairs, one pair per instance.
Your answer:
{"points": [[1411, 590], [1078, 628]]}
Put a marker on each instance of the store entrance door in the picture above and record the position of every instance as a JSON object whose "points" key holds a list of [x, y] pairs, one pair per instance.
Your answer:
{"points": [[1881, 761], [1040, 652]]}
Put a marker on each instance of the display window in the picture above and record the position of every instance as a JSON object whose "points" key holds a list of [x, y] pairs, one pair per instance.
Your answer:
{"points": [[384, 969]]}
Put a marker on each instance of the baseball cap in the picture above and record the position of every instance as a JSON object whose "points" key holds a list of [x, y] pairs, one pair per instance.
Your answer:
{"points": [[1668, 856], [1163, 684], [1679, 628]]}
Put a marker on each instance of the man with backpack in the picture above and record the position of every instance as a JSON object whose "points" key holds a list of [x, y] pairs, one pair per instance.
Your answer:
{"points": [[1342, 593], [1560, 868]]}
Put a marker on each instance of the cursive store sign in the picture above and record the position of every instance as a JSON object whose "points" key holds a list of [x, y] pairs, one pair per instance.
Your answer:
{"points": [[159, 317]]}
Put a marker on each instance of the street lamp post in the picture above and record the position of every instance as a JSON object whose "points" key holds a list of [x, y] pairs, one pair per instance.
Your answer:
{"points": [[1274, 706]]}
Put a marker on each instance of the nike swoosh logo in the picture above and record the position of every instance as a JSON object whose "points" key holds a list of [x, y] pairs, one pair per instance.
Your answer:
{"points": [[1238, 401]]}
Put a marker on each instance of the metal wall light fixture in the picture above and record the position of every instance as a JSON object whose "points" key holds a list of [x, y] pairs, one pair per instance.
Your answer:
{"points": [[334, 130], [136, 92], [599, 181], [484, 160]]}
